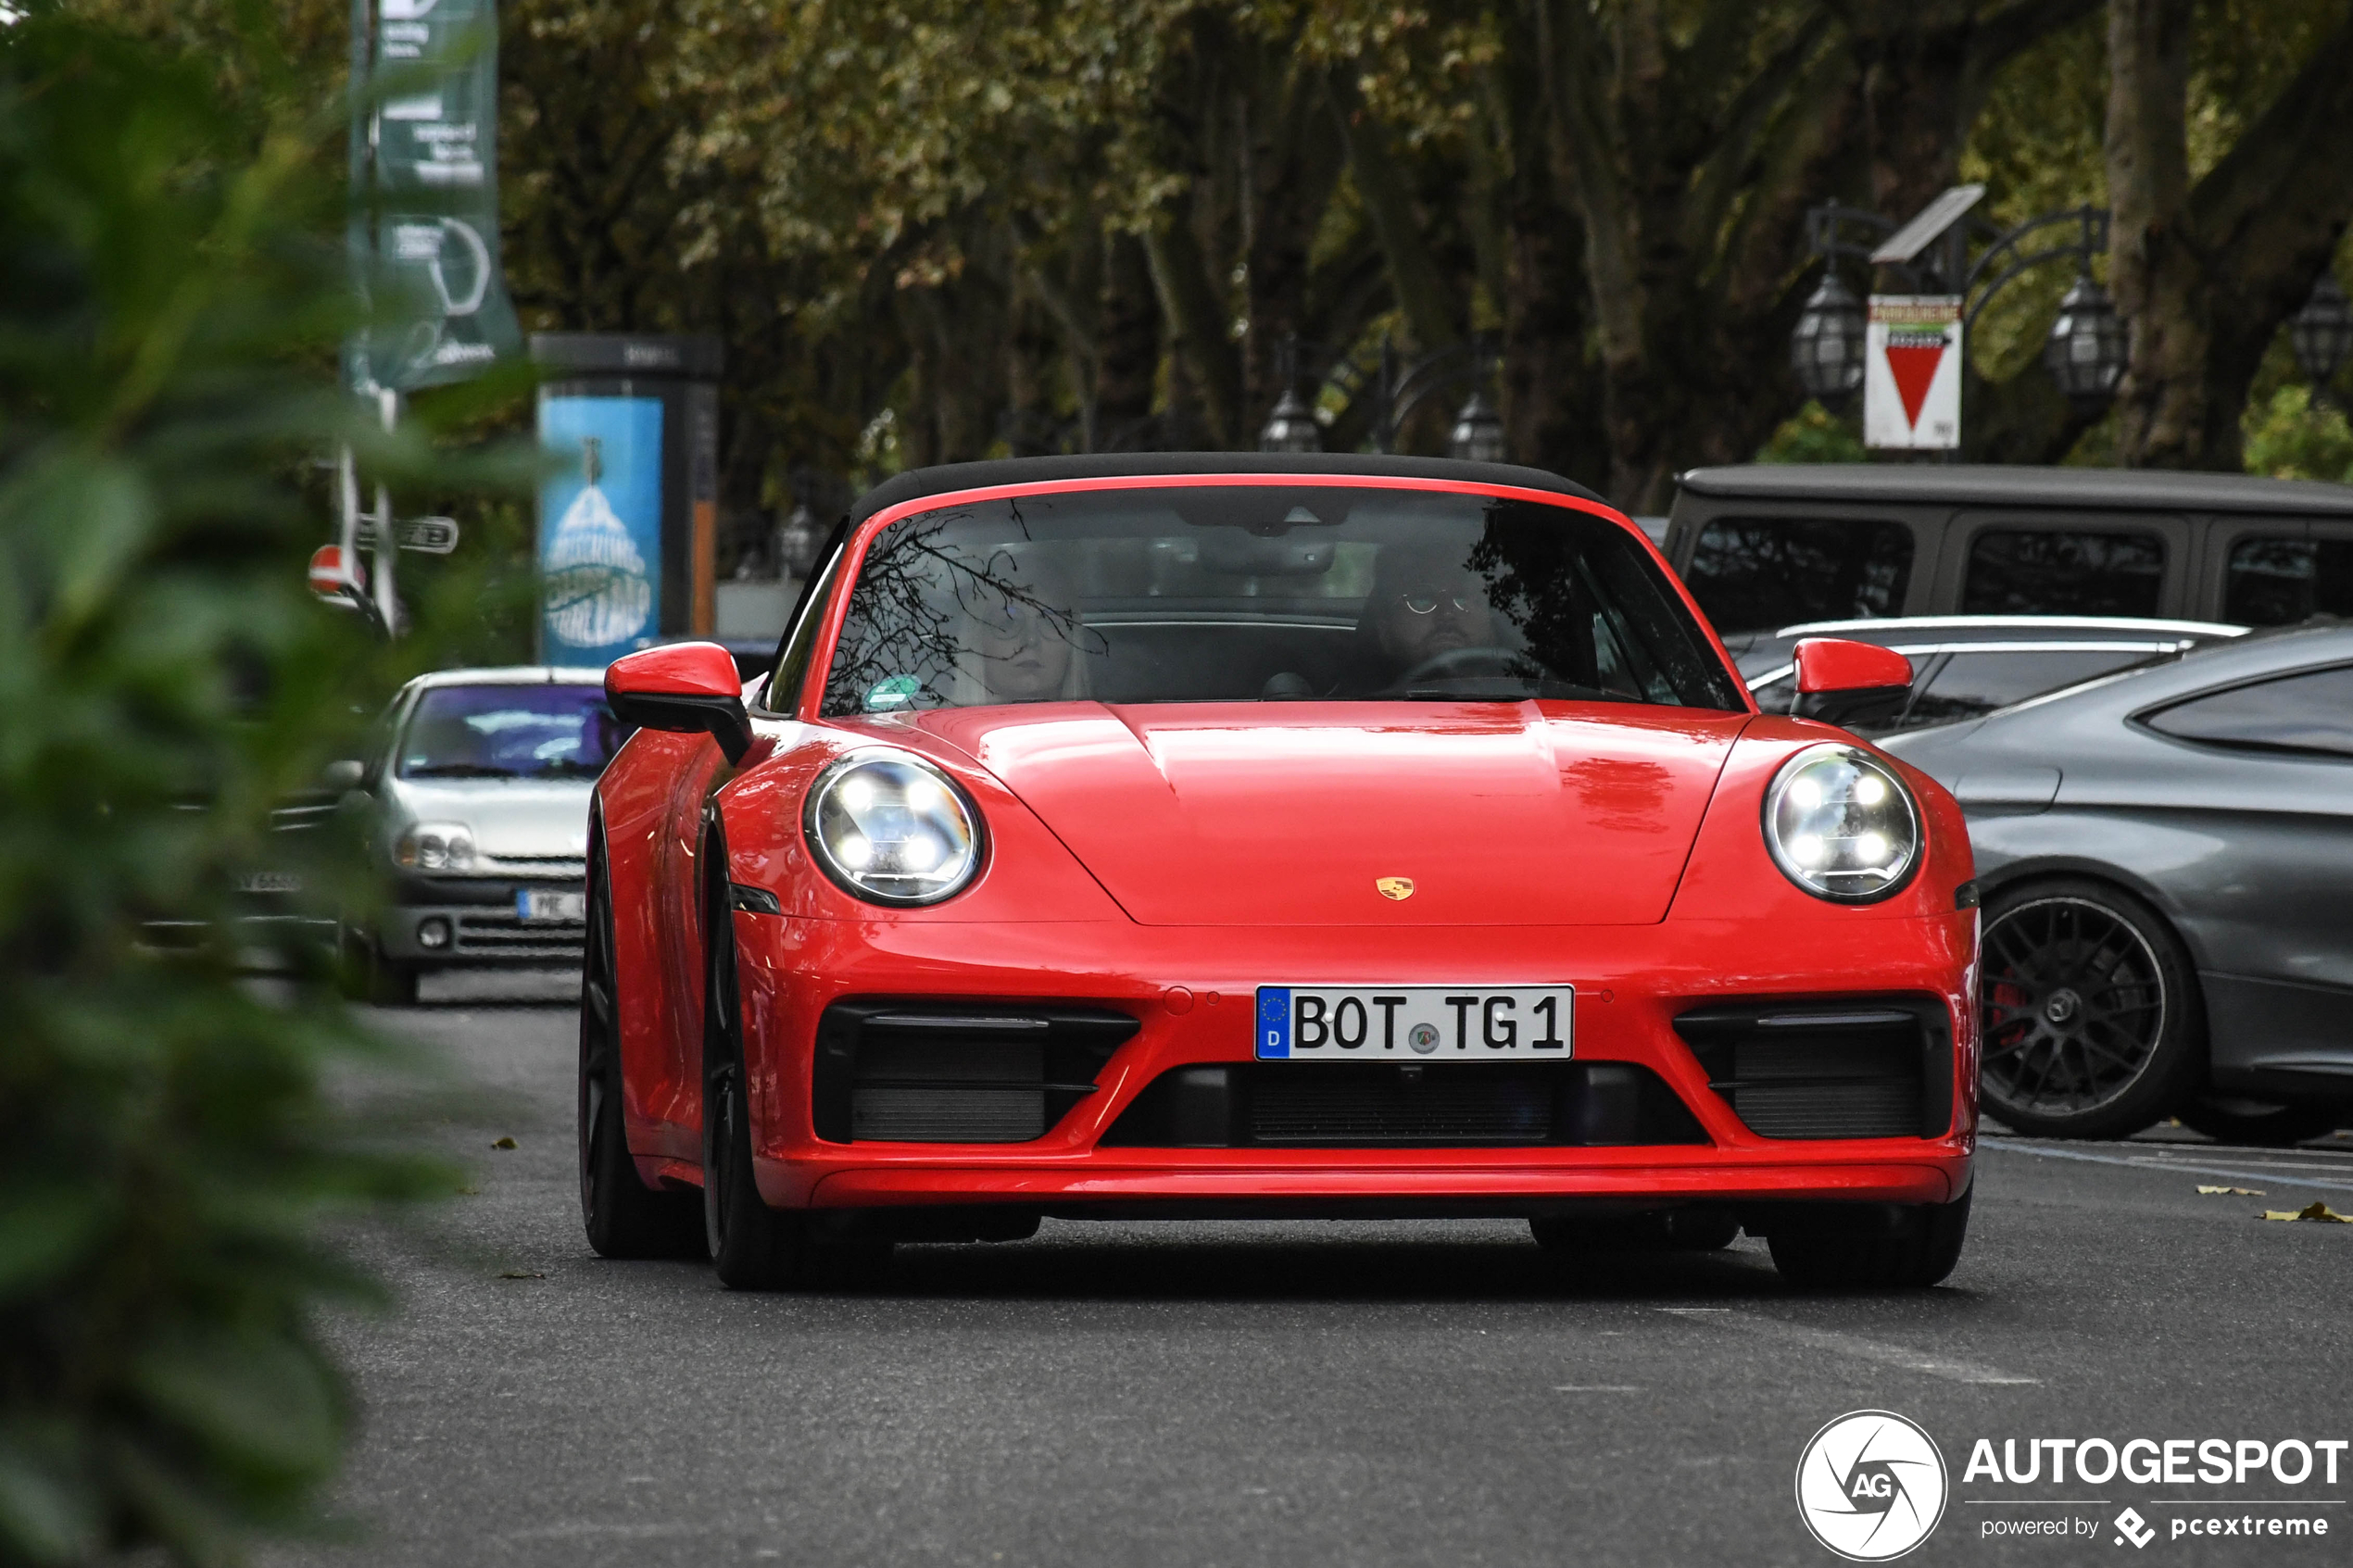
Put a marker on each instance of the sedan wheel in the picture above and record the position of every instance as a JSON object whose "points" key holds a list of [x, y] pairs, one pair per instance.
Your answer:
{"points": [[2092, 1023], [1871, 1246], [624, 1217]]}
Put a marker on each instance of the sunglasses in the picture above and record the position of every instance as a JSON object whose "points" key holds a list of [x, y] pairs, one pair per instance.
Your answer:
{"points": [[1427, 604]]}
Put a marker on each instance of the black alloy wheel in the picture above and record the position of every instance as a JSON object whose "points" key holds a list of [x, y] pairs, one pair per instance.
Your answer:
{"points": [[1871, 1246], [2092, 1025], [2262, 1123], [754, 1247], [624, 1218]]}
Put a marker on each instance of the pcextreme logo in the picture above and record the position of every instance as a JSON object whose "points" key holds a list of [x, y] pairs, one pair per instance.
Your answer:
{"points": [[1871, 1486]]}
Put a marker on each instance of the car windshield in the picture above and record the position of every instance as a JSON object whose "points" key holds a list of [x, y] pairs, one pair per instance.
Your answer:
{"points": [[511, 731], [1270, 593]]}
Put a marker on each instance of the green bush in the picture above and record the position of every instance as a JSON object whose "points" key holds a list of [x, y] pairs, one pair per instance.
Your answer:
{"points": [[169, 311], [2288, 437]]}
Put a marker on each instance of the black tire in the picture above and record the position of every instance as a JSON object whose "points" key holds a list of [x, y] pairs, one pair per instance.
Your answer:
{"points": [[1872, 1249], [2093, 1025], [624, 1218], [2260, 1124], [368, 976], [754, 1247], [1664, 1230]]}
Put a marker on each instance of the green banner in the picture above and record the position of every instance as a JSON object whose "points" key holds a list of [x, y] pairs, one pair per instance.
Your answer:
{"points": [[424, 183]]}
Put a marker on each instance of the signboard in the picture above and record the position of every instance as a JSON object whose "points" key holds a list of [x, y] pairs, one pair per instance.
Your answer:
{"points": [[424, 184], [433, 536], [599, 528], [332, 571], [1912, 371]]}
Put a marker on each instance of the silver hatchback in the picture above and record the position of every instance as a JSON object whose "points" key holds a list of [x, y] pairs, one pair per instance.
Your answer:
{"points": [[476, 792]]}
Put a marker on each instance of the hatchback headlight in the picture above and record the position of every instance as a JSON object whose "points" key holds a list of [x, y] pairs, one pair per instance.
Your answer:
{"points": [[1842, 825], [435, 847], [892, 829]]}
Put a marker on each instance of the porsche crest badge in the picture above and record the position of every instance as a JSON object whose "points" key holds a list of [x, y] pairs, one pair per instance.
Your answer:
{"points": [[1398, 887]]}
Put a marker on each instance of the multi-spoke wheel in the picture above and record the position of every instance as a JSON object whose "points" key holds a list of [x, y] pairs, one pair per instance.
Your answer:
{"points": [[624, 1217], [2092, 1025]]}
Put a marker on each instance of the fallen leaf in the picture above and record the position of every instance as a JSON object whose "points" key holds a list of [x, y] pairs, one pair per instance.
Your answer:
{"points": [[2233, 1192], [2318, 1210], [504, 1143], [521, 1274], [470, 1192]]}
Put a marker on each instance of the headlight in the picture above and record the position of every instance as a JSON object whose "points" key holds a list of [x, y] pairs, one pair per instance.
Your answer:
{"points": [[1842, 825], [437, 847], [892, 829]]}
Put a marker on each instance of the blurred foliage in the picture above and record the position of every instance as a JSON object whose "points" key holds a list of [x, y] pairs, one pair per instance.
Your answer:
{"points": [[170, 296], [2289, 437], [1814, 434]]}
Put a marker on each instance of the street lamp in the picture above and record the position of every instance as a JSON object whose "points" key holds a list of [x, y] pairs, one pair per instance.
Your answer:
{"points": [[1477, 436], [1826, 349], [2085, 352], [2322, 332], [1292, 427]]}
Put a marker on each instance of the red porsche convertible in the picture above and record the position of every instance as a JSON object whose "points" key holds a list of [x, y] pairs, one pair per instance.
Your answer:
{"points": [[1225, 835]]}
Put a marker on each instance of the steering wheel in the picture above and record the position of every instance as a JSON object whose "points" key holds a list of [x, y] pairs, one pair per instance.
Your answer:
{"points": [[1464, 664]]}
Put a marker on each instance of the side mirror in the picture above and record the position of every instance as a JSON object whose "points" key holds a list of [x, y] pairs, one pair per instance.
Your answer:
{"points": [[684, 688], [342, 776], [1840, 682]]}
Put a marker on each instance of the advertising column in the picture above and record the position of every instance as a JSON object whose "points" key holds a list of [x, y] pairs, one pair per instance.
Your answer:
{"points": [[628, 518]]}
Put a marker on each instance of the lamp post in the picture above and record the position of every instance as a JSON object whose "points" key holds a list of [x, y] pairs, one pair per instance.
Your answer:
{"points": [[1398, 387], [2085, 350], [2322, 333]]}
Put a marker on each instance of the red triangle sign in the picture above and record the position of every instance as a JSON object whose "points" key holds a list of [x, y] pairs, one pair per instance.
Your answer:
{"points": [[1914, 369]]}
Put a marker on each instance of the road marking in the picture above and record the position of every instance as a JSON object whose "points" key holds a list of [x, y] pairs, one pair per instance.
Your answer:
{"points": [[1948, 1367], [2007, 1147]]}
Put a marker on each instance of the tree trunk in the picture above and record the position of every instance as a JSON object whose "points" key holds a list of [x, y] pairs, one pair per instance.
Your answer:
{"points": [[1126, 347], [2155, 268]]}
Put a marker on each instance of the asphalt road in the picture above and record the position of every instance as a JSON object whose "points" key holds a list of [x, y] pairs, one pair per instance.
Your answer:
{"points": [[1359, 1394]]}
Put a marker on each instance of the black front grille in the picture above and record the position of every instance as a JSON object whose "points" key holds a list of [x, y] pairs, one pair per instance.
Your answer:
{"points": [[488, 934], [945, 1072], [1847, 1068], [1371, 1105]]}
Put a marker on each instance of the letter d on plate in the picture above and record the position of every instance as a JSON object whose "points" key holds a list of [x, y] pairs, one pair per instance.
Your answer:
{"points": [[1273, 1022]]}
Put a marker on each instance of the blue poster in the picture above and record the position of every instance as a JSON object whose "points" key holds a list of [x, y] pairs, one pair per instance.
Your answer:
{"points": [[599, 529]]}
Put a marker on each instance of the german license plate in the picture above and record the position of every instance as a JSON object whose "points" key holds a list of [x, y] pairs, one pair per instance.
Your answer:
{"points": [[540, 904], [1414, 1022]]}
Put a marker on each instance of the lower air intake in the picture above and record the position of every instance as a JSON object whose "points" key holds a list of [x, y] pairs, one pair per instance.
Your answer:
{"points": [[1317, 1105], [945, 1072], [1849, 1068]]}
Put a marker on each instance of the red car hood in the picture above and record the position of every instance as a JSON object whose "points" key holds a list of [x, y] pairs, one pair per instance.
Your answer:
{"points": [[1223, 814]]}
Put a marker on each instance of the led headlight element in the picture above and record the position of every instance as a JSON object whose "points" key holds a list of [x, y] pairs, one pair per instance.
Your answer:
{"points": [[435, 847], [892, 829], [1842, 825]]}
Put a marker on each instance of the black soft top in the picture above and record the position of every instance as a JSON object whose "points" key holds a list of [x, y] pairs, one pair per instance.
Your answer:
{"points": [[916, 484]]}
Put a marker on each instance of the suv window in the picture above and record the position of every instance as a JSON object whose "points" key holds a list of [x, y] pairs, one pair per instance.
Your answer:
{"points": [[2311, 713], [2280, 581], [1971, 683], [1754, 574], [2063, 571]]}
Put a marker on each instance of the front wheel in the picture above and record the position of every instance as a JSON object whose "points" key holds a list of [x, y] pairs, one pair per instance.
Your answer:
{"points": [[1872, 1249], [2259, 1123], [624, 1218], [753, 1247], [2093, 1026]]}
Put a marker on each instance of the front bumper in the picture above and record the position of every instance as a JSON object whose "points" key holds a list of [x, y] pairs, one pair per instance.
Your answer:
{"points": [[484, 921], [1191, 992]]}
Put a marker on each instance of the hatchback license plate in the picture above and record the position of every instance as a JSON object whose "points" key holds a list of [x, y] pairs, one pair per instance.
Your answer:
{"points": [[1414, 1022], [539, 904]]}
